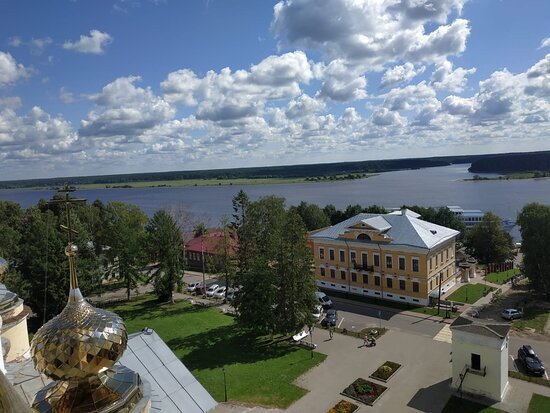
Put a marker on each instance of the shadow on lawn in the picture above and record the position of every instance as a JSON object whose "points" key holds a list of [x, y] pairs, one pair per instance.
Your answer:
{"points": [[225, 345], [150, 308]]}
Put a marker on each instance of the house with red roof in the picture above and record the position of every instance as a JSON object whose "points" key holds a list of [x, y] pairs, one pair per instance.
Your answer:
{"points": [[207, 247]]}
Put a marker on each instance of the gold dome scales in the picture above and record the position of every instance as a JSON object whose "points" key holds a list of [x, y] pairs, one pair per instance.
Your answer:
{"points": [[78, 349]]}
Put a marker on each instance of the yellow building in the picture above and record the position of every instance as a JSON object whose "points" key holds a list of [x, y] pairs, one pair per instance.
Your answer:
{"points": [[395, 256]]}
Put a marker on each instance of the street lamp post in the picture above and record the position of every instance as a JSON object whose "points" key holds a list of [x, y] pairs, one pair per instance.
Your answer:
{"points": [[439, 298], [224, 385], [203, 270]]}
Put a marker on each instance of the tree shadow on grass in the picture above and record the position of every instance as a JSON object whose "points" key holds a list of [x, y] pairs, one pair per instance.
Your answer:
{"points": [[225, 345], [150, 309]]}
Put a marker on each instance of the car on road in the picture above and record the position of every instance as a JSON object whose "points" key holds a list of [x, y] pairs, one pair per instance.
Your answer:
{"points": [[192, 286], [211, 290], [331, 318], [318, 312], [323, 299], [533, 365], [220, 292], [511, 314]]}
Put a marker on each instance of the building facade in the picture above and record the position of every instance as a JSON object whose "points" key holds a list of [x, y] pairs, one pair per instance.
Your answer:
{"points": [[206, 248], [394, 256]]}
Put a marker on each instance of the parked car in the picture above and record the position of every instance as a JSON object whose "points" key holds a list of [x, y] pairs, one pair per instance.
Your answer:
{"points": [[323, 299], [231, 295], [318, 312], [533, 365], [200, 289], [192, 286], [331, 317], [211, 290], [511, 314], [220, 292]]}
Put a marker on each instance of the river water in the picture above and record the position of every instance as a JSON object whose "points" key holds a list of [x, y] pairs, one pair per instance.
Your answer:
{"points": [[427, 187]]}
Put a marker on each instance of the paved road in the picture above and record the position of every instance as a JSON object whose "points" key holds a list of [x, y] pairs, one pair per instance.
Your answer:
{"points": [[355, 315]]}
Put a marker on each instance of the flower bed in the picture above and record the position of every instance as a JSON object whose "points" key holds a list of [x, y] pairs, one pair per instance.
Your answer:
{"points": [[343, 406], [364, 391], [385, 371]]}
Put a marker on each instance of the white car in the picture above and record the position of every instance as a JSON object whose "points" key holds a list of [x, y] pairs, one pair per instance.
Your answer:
{"points": [[323, 299], [511, 314], [191, 287], [211, 290], [318, 312], [220, 292]]}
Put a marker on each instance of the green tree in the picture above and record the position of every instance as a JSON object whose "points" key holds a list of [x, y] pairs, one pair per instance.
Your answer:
{"points": [[199, 229], [11, 217], [165, 249], [241, 203], [488, 242], [534, 222], [125, 241], [375, 209], [223, 260], [277, 283], [312, 216]]}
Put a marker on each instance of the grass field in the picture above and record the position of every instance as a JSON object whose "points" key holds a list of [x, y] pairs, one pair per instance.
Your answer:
{"points": [[469, 293], [259, 370], [213, 182], [539, 404], [533, 317], [501, 277], [456, 405]]}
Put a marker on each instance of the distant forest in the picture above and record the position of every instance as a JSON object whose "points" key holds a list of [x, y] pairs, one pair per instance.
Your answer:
{"points": [[287, 171], [513, 162]]}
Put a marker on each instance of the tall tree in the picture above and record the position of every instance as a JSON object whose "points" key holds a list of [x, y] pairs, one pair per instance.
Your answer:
{"points": [[241, 203], [11, 217], [125, 240], [277, 284], [312, 216], [488, 242], [223, 259], [165, 248], [534, 222]]}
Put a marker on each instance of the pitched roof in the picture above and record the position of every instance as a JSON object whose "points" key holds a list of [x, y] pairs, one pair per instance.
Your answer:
{"points": [[404, 229], [481, 327], [211, 243]]}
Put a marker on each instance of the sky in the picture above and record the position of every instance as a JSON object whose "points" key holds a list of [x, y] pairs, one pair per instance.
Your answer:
{"points": [[122, 86]]}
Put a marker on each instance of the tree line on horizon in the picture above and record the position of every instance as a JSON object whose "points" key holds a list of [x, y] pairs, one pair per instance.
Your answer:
{"points": [[272, 265]]}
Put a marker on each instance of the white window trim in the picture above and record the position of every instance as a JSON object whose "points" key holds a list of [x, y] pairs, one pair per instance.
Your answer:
{"points": [[412, 265], [386, 261], [375, 254], [404, 259], [340, 254]]}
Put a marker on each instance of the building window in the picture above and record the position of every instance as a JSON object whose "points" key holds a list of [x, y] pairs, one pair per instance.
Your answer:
{"points": [[322, 253], [322, 271], [331, 254], [446, 255], [376, 260], [402, 263], [437, 260], [431, 266], [332, 273], [342, 256], [416, 287], [352, 256], [377, 280], [401, 284], [416, 300], [364, 259], [415, 264], [365, 278], [431, 284], [354, 276], [389, 282], [343, 274], [476, 362], [388, 261]]}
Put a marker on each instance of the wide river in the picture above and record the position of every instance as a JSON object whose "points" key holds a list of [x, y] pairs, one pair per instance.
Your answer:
{"points": [[427, 187]]}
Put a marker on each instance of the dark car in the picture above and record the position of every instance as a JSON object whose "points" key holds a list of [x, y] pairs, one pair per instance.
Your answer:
{"points": [[330, 318], [530, 360]]}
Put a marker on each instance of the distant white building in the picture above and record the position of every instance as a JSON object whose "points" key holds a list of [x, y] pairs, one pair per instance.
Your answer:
{"points": [[470, 217], [480, 357]]}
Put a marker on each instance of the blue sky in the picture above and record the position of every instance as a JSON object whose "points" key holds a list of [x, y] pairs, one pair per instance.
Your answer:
{"points": [[141, 85]]}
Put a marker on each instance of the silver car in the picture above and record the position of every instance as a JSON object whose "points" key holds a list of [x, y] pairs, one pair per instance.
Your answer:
{"points": [[511, 314]]}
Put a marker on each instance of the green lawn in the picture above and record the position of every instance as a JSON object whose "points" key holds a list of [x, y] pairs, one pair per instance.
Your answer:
{"points": [[469, 293], [456, 405], [501, 277], [259, 370], [539, 404], [533, 317]]}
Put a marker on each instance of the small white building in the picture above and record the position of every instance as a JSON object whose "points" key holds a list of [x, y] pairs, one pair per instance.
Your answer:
{"points": [[480, 357]]}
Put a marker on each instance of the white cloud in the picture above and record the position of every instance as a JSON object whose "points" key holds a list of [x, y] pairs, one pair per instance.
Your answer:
{"points": [[37, 46], [385, 117], [90, 44], [65, 96], [445, 78], [10, 70], [10, 102], [342, 83], [545, 42], [15, 41], [400, 74], [125, 111]]}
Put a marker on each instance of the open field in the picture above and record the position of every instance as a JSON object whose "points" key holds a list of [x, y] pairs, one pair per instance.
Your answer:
{"points": [[469, 293], [502, 277], [259, 370]]}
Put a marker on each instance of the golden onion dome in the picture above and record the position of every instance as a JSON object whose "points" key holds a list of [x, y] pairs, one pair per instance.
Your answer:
{"points": [[82, 340]]}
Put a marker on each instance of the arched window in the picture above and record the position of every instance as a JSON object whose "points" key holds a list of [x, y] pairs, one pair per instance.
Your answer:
{"points": [[363, 237]]}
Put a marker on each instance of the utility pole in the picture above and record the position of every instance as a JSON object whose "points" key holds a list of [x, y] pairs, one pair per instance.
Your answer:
{"points": [[439, 298], [203, 271], [224, 385]]}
